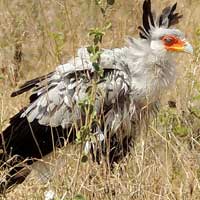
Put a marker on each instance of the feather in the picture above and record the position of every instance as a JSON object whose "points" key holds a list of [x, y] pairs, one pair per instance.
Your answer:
{"points": [[147, 19], [147, 15], [120, 103], [30, 84], [168, 17]]}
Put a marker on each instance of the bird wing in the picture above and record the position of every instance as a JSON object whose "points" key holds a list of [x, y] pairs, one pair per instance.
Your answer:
{"points": [[56, 97]]}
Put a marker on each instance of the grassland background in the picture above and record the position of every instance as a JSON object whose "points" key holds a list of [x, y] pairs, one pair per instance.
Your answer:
{"points": [[165, 162]]}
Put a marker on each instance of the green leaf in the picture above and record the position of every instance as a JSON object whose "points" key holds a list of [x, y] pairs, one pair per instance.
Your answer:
{"points": [[108, 26], [100, 72], [84, 159], [98, 2], [96, 66], [96, 49], [103, 11], [94, 58], [110, 2], [78, 136], [79, 197], [197, 97], [181, 131], [90, 49]]}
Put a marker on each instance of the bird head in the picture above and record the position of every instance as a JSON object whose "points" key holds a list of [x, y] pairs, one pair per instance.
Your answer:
{"points": [[157, 30]]}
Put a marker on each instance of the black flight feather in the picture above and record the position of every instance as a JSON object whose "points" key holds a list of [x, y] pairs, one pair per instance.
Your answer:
{"points": [[30, 84]]}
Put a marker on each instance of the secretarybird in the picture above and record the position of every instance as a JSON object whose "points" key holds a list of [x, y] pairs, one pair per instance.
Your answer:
{"points": [[134, 77]]}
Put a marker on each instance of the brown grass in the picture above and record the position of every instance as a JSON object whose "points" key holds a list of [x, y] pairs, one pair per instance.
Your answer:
{"points": [[165, 161]]}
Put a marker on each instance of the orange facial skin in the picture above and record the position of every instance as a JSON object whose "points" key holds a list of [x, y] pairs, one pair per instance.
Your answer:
{"points": [[172, 43]]}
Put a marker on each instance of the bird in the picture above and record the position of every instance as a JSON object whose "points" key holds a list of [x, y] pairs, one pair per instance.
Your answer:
{"points": [[133, 79]]}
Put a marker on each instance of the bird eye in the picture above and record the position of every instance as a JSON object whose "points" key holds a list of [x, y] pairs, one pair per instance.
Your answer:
{"points": [[168, 40]]}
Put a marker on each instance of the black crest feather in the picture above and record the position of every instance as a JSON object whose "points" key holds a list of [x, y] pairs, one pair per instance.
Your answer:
{"points": [[167, 18], [147, 20]]}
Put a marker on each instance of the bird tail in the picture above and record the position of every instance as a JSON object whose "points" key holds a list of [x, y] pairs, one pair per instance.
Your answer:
{"points": [[22, 143]]}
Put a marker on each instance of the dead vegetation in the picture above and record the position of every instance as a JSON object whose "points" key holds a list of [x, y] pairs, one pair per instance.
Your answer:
{"points": [[36, 36]]}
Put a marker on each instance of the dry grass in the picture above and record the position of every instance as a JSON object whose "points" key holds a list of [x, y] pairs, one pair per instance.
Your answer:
{"points": [[165, 162]]}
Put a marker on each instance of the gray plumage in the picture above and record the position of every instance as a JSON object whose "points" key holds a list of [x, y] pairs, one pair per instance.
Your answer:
{"points": [[134, 78]]}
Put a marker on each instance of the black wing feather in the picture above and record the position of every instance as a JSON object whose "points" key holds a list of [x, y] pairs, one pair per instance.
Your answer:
{"points": [[30, 84]]}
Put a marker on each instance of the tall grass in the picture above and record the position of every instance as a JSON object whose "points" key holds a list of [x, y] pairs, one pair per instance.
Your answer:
{"points": [[164, 164]]}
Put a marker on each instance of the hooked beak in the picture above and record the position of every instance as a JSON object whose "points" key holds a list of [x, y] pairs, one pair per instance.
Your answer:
{"points": [[188, 48], [181, 46]]}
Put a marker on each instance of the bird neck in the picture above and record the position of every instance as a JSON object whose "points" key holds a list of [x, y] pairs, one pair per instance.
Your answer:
{"points": [[152, 74]]}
